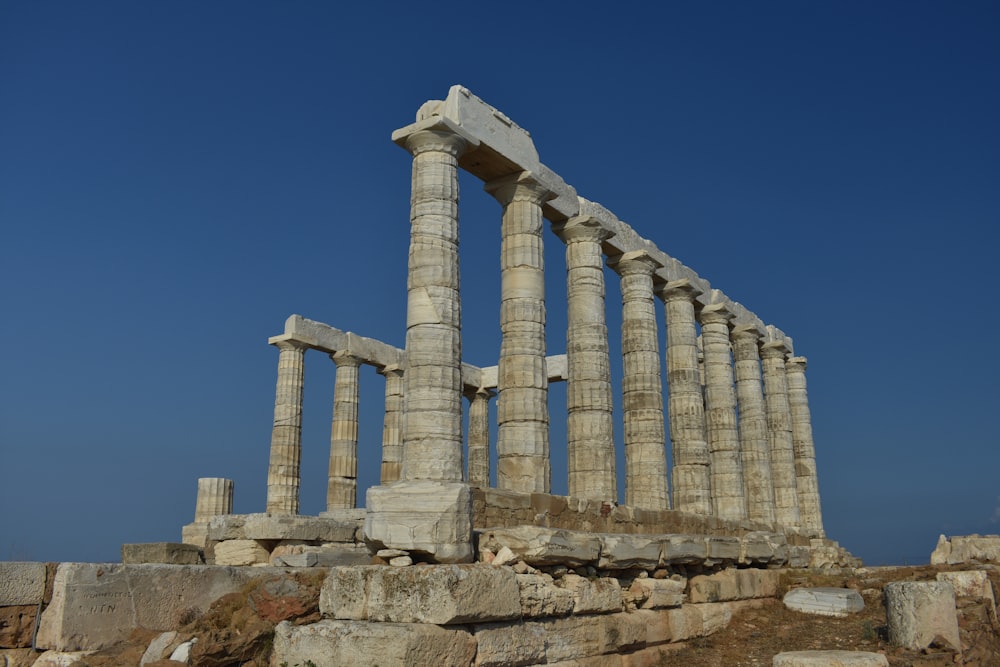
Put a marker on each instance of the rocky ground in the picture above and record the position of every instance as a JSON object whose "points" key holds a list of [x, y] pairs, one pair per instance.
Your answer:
{"points": [[239, 627]]}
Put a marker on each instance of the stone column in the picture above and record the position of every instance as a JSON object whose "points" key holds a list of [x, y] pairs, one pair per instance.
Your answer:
{"points": [[286, 434], [779, 428], [806, 480], [522, 403], [479, 437], [728, 499], [590, 437], [754, 443], [429, 511], [342, 483], [686, 407], [215, 497], [392, 424], [432, 428], [642, 385]]}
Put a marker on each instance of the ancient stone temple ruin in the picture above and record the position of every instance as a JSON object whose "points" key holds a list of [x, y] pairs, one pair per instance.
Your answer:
{"points": [[734, 393]]}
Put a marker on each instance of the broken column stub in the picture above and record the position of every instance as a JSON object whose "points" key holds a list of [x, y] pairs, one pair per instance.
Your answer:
{"points": [[424, 517]]}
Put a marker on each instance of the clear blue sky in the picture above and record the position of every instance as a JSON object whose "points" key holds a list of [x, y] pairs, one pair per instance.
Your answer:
{"points": [[177, 178]]}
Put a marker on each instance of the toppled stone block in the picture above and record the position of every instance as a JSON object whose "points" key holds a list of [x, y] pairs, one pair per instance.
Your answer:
{"points": [[270, 527], [659, 593], [95, 605], [621, 552], [440, 594], [541, 597], [973, 584], [966, 549], [539, 546], [829, 659], [917, 612], [433, 519], [21, 582], [733, 584], [596, 596], [331, 643], [824, 601], [241, 552], [169, 553]]}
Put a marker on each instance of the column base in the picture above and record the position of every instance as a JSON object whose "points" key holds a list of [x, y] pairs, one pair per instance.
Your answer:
{"points": [[428, 518]]}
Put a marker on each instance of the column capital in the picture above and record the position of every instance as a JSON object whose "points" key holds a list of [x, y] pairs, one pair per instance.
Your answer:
{"points": [[289, 344], [581, 228], [345, 358], [435, 134], [392, 369], [774, 350], [716, 313], [744, 331], [635, 262], [519, 186], [472, 393], [679, 290], [796, 364]]}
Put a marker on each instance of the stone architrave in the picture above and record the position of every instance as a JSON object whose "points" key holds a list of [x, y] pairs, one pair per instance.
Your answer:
{"points": [[430, 509], [590, 431], [642, 385], [392, 424], [806, 479], [286, 434], [755, 447], [479, 437], [728, 499], [686, 409], [522, 382], [342, 482], [919, 612], [779, 428], [215, 498]]}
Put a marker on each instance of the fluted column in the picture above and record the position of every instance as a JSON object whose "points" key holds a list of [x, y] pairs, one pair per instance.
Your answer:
{"points": [[392, 424], [754, 442], [522, 403], [479, 437], [342, 481], [432, 427], [286, 433], [642, 385], [806, 480], [215, 497], [779, 427], [590, 437], [728, 499], [692, 485]]}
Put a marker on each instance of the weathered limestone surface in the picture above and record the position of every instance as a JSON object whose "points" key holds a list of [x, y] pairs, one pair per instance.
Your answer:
{"points": [[266, 527], [334, 643], [392, 424], [692, 486], [421, 516], [728, 499], [21, 582], [439, 594], [966, 549], [544, 546], [621, 552], [171, 553], [973, 584], [541, 597], [95, 605], [755, 450], [589, 433], [806, 479], [779, 427], [824, 601], [659, 593], [733, 584], [642, 385], [342, 480], [522, 400], [918, 611], [240, 552], [503, 644], [830, 659], [593, 596], [286, 434], [59, 658]]}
